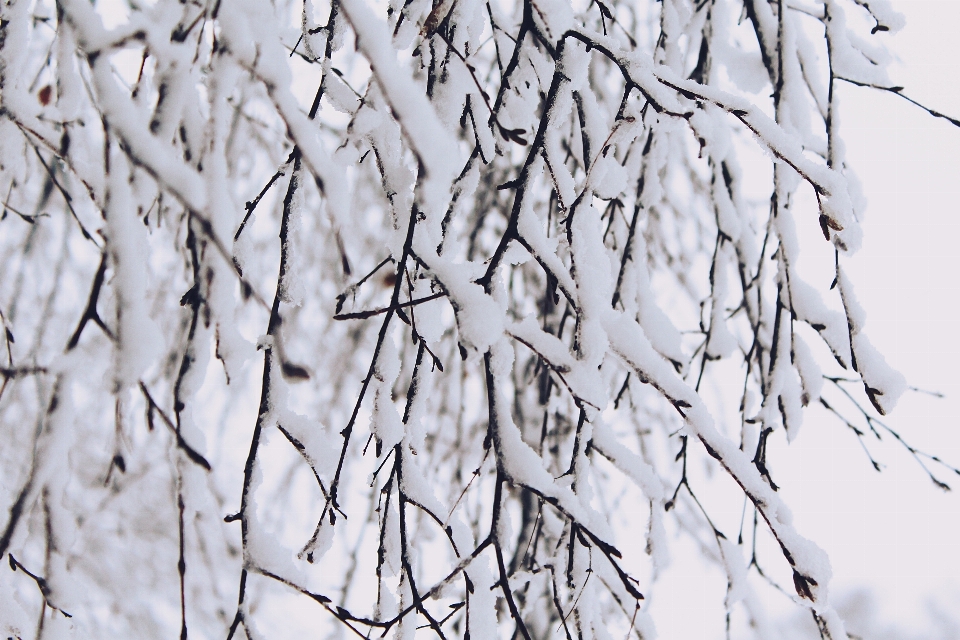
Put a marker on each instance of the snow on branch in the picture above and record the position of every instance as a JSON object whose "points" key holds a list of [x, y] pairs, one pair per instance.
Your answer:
{"points": [[513, 252]]}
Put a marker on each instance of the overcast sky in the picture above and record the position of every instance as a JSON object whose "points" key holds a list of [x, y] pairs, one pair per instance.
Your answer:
{"points": [[894, 531]]}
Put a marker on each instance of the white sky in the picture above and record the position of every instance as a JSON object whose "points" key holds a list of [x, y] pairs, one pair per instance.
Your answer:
{"points": [[893, 532]]}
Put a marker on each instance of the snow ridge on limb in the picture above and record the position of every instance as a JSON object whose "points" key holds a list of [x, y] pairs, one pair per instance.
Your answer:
{"points": [[520, 463], [667, 90], [883, 384], [128, 121], [432, 143], [266, 59], [811, 567]]}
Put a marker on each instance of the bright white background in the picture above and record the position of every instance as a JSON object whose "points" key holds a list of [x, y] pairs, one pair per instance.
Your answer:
{"points": [[895, 531], [891, 535]]}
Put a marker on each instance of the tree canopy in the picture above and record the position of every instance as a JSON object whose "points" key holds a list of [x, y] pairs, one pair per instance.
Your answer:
{"points": [[421, 318]]}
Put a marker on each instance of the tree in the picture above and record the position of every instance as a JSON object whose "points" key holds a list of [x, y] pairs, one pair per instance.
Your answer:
{"points": [[409, 334]]}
